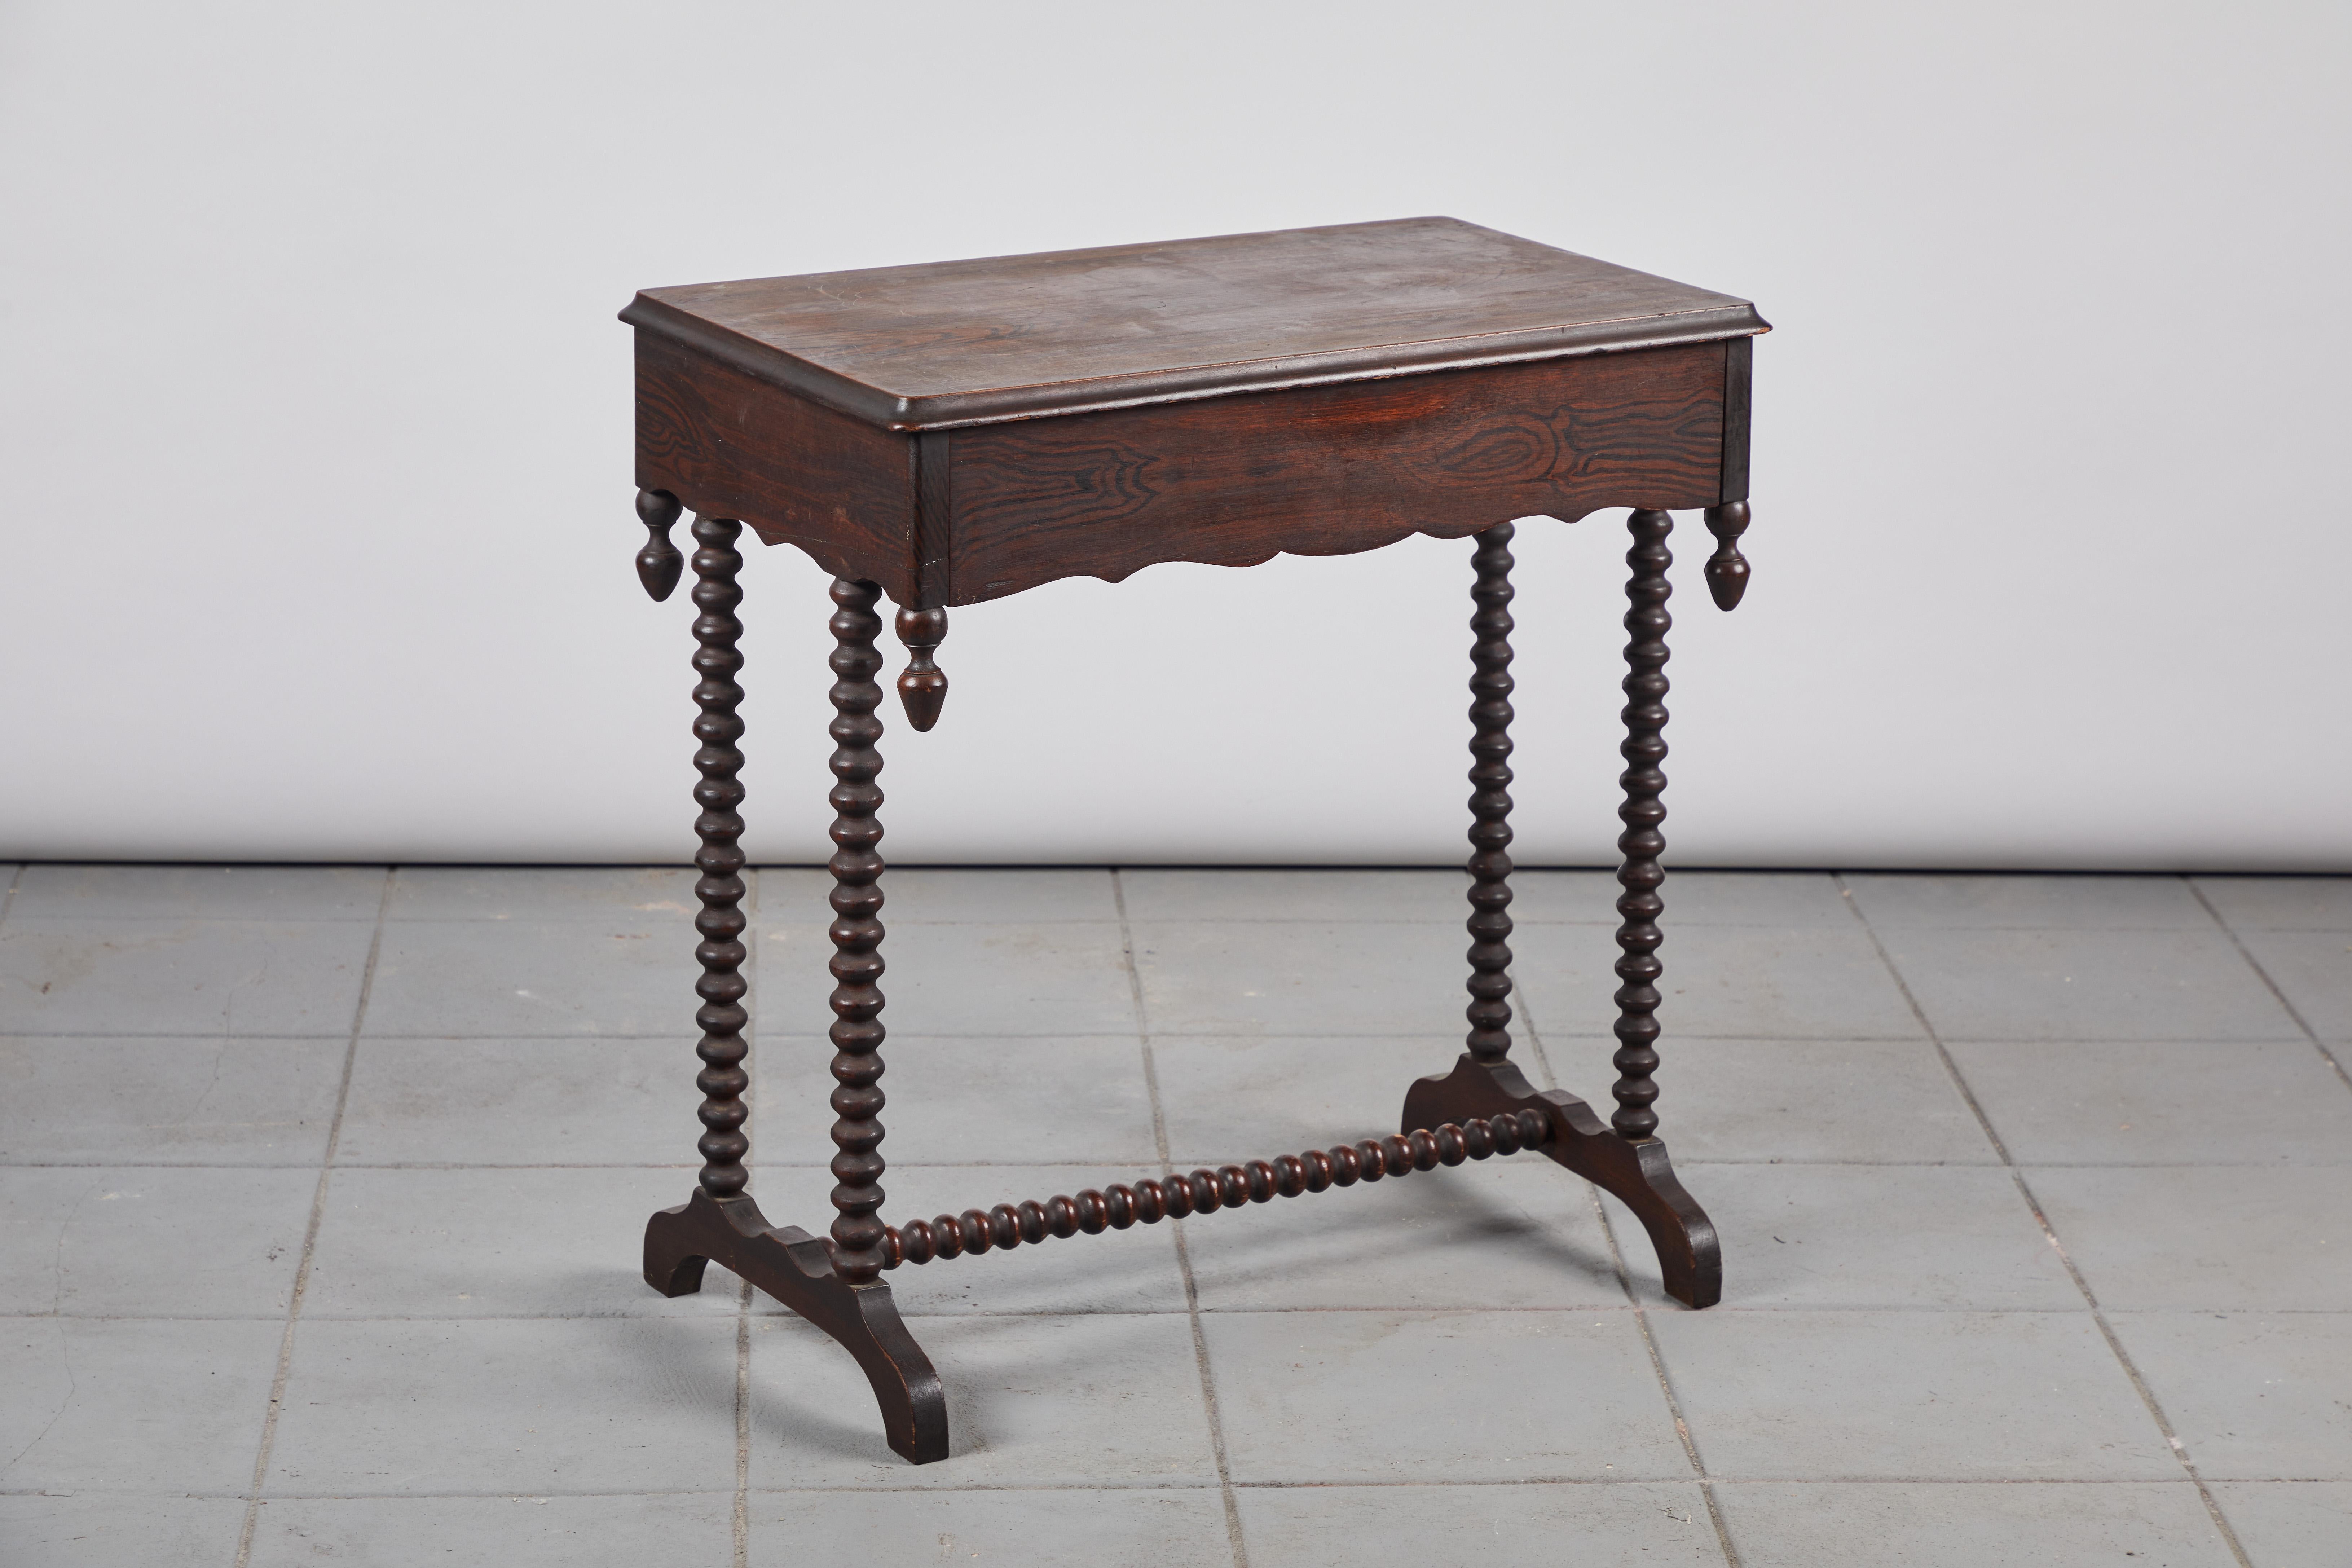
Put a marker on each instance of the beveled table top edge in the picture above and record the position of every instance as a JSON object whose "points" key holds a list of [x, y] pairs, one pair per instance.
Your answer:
{"points": [[895, 412]]}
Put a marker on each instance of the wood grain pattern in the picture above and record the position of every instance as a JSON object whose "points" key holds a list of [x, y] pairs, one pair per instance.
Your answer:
{"points": [[728, 445], [1739, 374], [958, 431], [934, 482], [1331, 470], [951, 344]]}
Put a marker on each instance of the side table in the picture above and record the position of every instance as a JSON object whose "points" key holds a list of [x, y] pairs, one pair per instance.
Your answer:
{"points": [[958, 432]]}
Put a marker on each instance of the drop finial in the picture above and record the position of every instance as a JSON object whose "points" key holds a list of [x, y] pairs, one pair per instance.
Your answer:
{"points": [[922, 685], [1726, 569], [659, 563]]}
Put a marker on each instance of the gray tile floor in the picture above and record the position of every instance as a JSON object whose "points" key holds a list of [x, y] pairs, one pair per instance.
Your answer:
{"points": [[321, 1192]]}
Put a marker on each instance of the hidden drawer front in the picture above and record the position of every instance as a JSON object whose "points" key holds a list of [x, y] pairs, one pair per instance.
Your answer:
{"points": [[959, 515], [1327, 470]]}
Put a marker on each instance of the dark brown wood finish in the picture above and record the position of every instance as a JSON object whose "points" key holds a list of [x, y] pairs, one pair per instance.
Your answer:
{"points": [[1726, 569], [1490, 797], [1643, 814], [1738, 361], [1330, 470], [955, 432], [857, 933], [658, 564], [799, 473], [942, 519], [1484, 1083], [966, 430], [953, 343], [831, 1283], [1635, 1171], [717, 729], [1203, 1192], [922, 685], [797, 1270]]}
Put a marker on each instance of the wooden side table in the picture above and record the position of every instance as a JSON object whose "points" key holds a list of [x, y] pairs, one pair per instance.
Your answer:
{"points": [[954, 433]]}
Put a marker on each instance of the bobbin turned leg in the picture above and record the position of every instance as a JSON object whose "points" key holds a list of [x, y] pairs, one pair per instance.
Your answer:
{"points": [[1643, 781], [720, 1222], [1624, 1160], [856, 934], [1490, 798]]}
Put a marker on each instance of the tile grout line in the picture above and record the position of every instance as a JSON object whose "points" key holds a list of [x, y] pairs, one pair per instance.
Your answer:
{"points": [[742, 1508], [1641, 1315], [841, 1489], [742, 1518], [2050, 1234], [783, 1321], [310, 1232], [2264, 976], [1176, 1227], [1665, 1384], [1146, 1043]]}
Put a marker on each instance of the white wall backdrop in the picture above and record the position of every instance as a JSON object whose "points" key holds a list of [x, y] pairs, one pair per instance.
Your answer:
{"points": [[316, 424]]}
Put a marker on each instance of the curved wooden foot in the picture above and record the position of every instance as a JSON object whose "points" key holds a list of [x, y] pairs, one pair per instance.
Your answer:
{"points": [[1635, 1169], [791, 1265]]}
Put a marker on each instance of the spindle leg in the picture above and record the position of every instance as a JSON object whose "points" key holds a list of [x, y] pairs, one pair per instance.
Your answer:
{"points": [[1624, 1160], [720, 1222], [1490, 799], [1643, 781], [857, 933]]}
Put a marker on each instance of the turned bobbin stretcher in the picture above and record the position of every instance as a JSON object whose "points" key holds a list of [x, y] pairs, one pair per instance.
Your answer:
{"points": [[954, 433]]}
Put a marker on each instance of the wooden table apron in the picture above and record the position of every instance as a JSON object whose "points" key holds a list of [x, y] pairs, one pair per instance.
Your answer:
{"points": [[933, 517]]}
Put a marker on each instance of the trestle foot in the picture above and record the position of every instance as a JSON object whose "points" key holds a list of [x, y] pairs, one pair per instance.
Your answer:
{"points": [[791, 1265], [1635, 1170]]}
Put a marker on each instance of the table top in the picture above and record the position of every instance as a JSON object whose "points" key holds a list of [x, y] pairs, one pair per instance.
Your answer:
{"points": [[956, 344]]}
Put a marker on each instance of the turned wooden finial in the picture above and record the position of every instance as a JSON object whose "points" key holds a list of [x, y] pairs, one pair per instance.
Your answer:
{"points": [[659, 563], [1726, 569], [922, 685]]}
